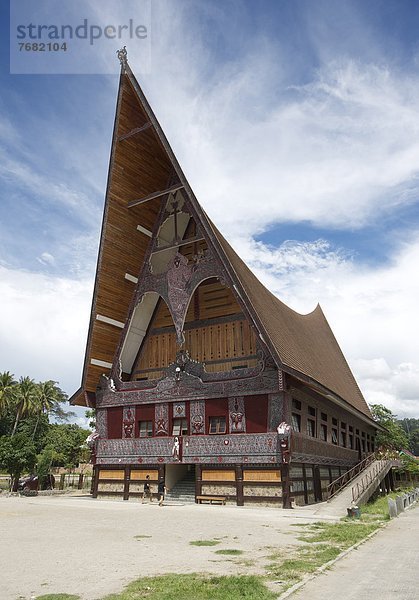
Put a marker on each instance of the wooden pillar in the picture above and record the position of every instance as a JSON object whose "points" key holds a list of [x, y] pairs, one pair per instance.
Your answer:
{"points": [[239, 485], [286, 492], [162, 472], [286, 409], [95, 482], [305, 485], [198, 481], [391, 479], [127, 474]]}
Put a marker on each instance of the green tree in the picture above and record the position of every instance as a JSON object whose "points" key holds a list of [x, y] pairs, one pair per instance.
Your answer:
{"points": [[67, 440], [47, 459], [91, 415], [393, 438], [48, 400], [7, 385], [24, 399], [411, 427], [17, 456]]}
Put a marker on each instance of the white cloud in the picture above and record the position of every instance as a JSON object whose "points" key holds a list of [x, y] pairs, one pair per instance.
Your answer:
{"points": [[372, 310], [43, 326], [337, 151]]}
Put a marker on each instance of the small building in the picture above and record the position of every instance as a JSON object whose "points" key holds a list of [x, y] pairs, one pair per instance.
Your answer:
{"points": [[195, 369]]}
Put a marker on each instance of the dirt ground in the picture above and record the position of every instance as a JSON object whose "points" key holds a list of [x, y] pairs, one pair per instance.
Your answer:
{"points": [[77, 545]]}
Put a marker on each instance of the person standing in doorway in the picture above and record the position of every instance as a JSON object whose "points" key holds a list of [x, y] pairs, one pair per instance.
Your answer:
{"points": [[147, 489], [162, 491]]}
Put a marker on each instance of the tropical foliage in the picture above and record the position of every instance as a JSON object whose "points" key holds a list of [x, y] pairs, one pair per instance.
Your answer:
{"points": [[411, 428], [28, 441], [393, 437]]}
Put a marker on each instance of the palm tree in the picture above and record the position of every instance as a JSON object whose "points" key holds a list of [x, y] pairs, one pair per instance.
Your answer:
{"points": [[47, 401], [7, 384], [24, 399]]}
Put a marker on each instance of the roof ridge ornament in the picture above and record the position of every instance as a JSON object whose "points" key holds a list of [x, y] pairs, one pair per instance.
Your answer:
{"points": [[122, 55]]}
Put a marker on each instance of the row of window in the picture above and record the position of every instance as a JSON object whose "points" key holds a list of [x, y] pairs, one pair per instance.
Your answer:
{"points": [[340, 433], [180, 426]]}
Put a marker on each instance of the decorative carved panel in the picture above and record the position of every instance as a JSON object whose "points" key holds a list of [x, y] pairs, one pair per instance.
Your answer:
{"points": [[275, 411], [188, 386], [206, 449], [197, 416], [236, 413], [102, 422], [128, 422], [162, 419], [179, 410], [281, 386]]}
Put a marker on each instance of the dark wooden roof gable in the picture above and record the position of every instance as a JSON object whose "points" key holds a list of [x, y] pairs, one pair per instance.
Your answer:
{"points": [[142, 165]]}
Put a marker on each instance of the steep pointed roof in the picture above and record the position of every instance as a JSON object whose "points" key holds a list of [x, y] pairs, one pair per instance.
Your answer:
{"points": [[140, 165]]}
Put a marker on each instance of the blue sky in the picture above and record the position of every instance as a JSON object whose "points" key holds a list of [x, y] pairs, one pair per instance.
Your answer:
{"points": [[297, 125]]}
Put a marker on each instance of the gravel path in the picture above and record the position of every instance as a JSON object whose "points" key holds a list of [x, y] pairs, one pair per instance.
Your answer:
{"points": [[78, 545]]}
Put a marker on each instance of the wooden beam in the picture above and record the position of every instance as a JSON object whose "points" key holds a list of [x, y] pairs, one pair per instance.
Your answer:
{"points": [[133, 132], [110, 321], [178, 244], [101, 363], [131, 278], [144, 230], [154, 195]]}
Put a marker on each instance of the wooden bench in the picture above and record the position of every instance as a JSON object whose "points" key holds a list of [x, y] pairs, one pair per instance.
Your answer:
{"points": [[211, 499]]}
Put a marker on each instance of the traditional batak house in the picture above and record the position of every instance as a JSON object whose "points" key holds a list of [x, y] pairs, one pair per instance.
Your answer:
{"points": [[195, 369]]}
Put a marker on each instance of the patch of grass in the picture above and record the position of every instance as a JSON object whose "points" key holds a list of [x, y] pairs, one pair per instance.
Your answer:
{"points": [[324, 542], [198, 587], [231, 552], [343, 534], [306, 560], [58, 597], [204, 542], [141, 537]]}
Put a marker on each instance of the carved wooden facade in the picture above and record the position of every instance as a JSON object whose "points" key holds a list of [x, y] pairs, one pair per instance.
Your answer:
{"points": [[190, 362]]}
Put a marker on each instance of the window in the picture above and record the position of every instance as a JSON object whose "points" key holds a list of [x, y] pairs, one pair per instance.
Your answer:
{"points": [[311, 428], [323, 432], [217, 424], [334, 421], [351, 429], [363, 445], [342, 439], [351, 441], [343, 426], [323, 416], [311, 411], [334, 436], [296, 404], [146, 428], [296, 422], [180, 427]]}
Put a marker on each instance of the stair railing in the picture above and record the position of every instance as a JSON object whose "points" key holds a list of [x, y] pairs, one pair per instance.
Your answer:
{"points": [[339, 483], [361, 486]]}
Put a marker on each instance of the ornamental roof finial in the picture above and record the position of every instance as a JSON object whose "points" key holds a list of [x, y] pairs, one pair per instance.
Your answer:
{"points": [[123, 57]]}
